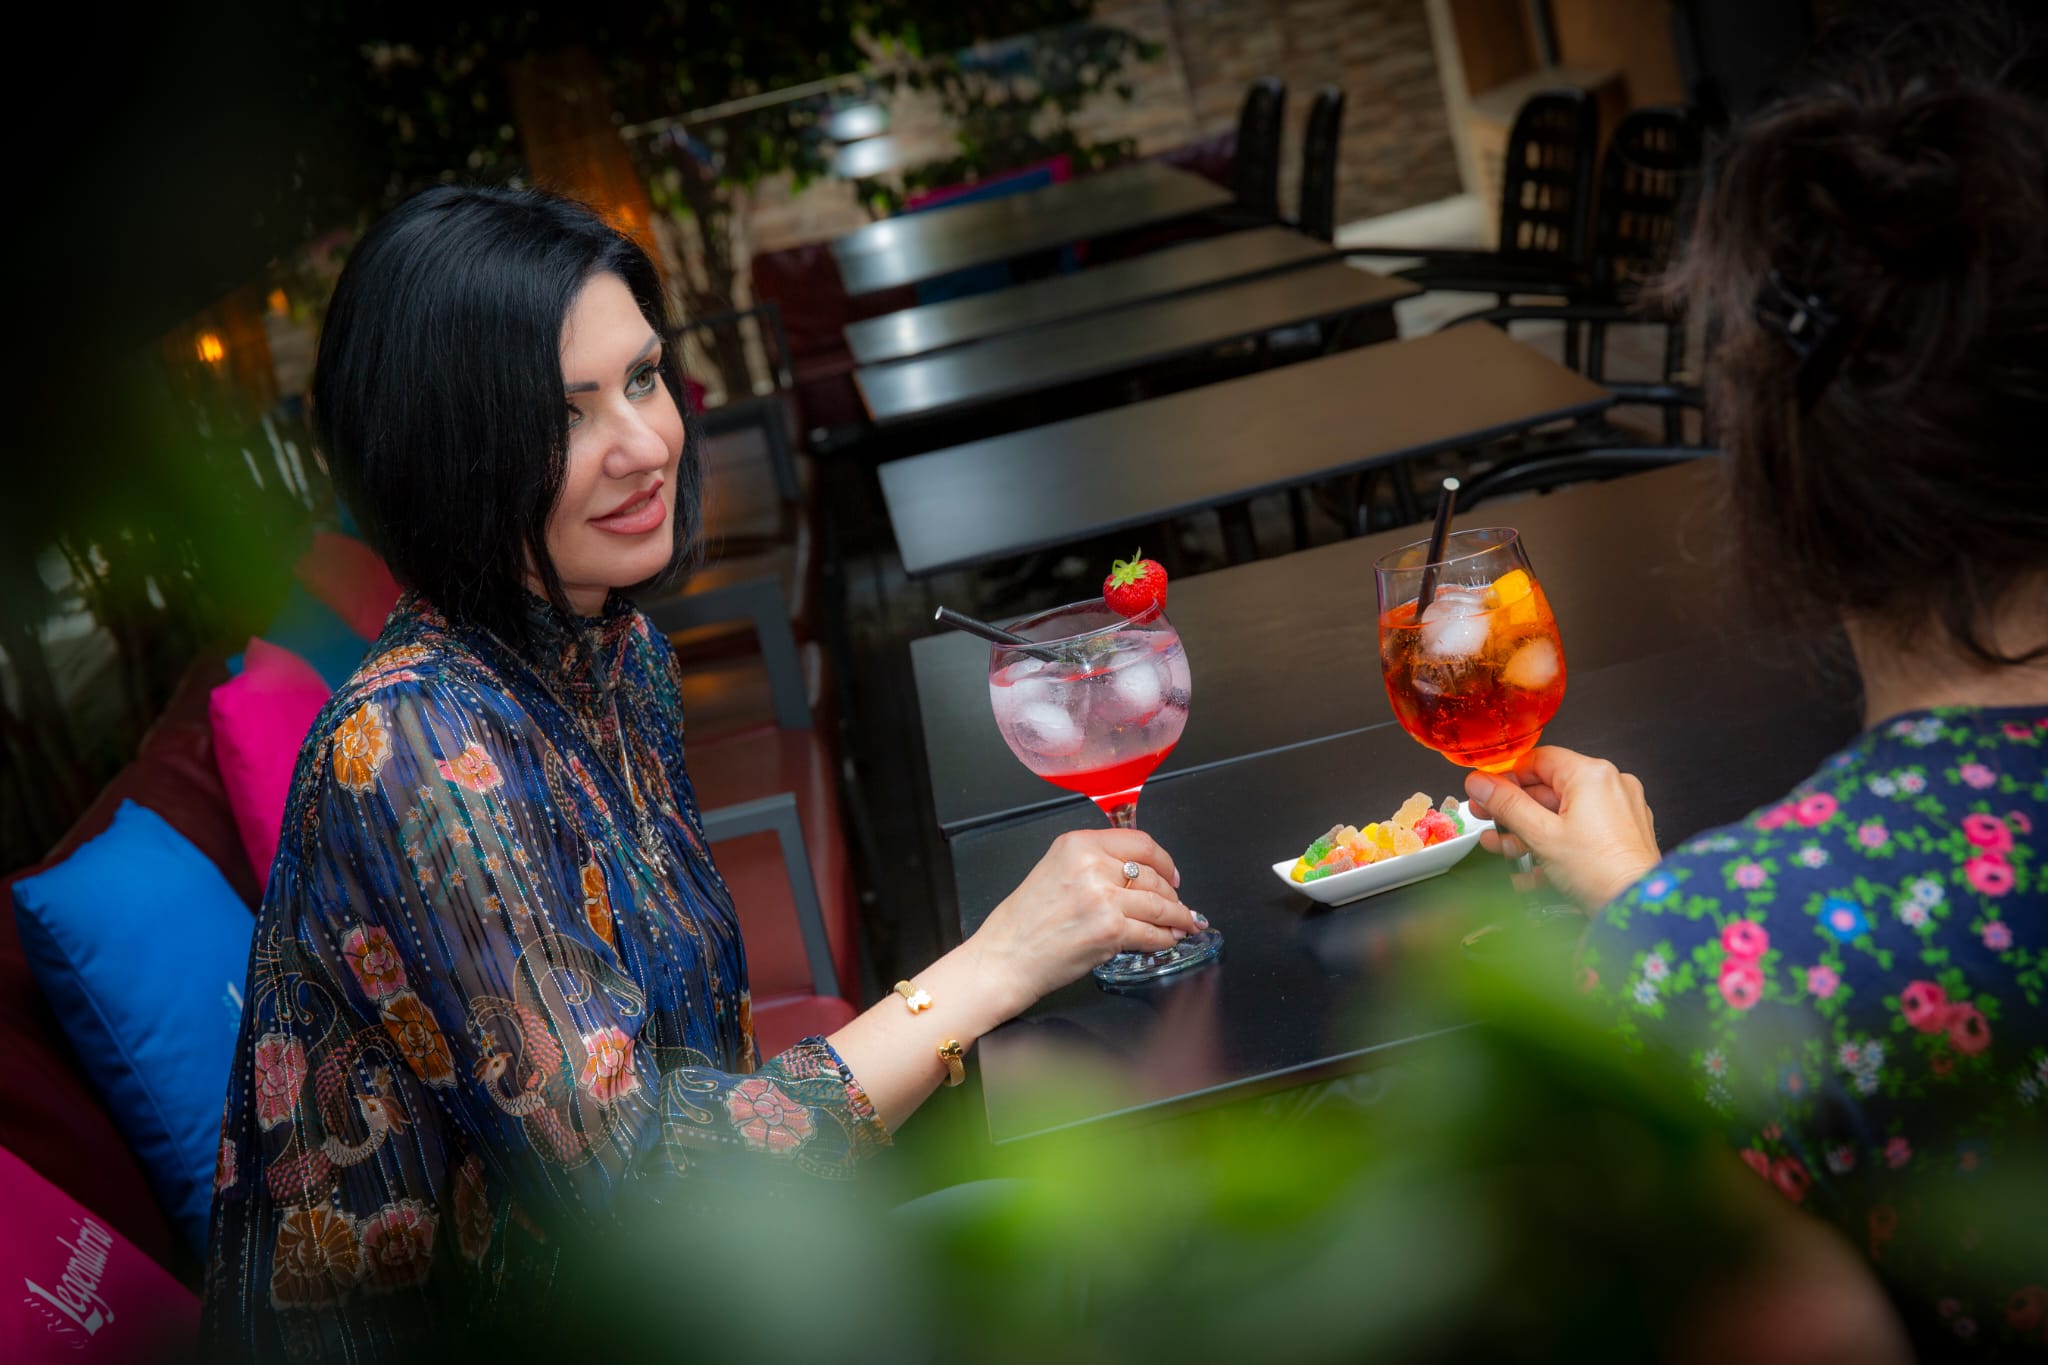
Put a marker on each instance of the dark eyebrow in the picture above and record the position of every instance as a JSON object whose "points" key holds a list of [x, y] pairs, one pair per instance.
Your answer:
{"points": [[653, 345]]}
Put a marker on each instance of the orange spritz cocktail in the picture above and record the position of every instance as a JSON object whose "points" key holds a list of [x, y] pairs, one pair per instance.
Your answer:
{"points": [[1478, 672]]}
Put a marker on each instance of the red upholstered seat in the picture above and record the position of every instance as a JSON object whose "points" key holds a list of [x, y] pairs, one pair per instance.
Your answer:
{"points": [[804, 282], [788, 1019], [50, 1115], [763, 762]]}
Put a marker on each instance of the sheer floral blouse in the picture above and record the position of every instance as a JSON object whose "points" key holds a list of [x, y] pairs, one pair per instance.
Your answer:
{"points": [[496, 985]]}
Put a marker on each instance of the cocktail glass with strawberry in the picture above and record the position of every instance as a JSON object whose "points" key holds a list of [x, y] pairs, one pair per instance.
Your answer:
{"points": [[1094, 703], [1477, 671]]}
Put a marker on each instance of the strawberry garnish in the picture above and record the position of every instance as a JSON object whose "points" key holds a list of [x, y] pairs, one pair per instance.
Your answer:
{"points": [[1135, 586]]}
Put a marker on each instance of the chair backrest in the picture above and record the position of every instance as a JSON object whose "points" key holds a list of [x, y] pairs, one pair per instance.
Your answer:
{"points": [[1546, 210], [1647, 177], [741, 353], [1255, 172], [1318, 216]]}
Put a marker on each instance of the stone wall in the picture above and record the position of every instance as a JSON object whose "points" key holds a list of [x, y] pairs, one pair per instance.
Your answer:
{"points": [[1396, 150]]}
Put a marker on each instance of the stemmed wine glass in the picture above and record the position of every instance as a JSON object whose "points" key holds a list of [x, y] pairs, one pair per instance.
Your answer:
{"points": [[1478, 670], [1093, 703]]}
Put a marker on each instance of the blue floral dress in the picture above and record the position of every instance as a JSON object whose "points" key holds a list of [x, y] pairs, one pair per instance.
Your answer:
{"points": [[1853, 976], [496, 988]]}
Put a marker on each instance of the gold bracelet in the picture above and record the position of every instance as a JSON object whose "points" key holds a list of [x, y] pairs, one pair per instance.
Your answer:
{"points": [[915, 999], [950, 1052]]}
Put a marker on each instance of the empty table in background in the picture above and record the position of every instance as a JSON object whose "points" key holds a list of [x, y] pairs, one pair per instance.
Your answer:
{"points": [[1159, 274], [1222, 443], [1130, 339], [921, 246]]}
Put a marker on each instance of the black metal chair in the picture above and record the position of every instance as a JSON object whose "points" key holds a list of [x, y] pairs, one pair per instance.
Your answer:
{"points": [[1648, 176], [1558, 468], [1318, 208], [1255, 166], [1545, 211]]}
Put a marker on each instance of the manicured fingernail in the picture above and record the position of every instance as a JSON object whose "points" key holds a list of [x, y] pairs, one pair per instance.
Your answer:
{"points": [[1179, 934], [1201, 920], [1176, 879]]}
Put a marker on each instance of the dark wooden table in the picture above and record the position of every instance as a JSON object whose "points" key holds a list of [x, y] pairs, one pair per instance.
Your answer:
{"points": [[1156, 275], [921, 246], [1221, 443], [1138, 337], [1285, 651], [1303, 992]]}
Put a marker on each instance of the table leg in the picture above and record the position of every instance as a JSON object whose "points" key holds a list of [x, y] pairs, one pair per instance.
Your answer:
{"points": [[1240, 545]]}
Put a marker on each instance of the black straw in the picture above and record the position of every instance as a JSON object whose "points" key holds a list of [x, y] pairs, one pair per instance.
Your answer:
{"points": [[995, 635], [1437, 536]]}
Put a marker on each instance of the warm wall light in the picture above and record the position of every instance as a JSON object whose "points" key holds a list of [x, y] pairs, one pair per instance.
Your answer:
{"points": [[210, 348], [279, 304]]}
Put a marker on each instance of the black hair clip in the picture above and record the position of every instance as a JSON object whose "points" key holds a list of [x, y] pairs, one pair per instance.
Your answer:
{"points": [[1809, 327]]}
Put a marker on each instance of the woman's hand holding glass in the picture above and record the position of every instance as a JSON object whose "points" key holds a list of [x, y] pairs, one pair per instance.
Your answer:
{"points": [[1075, 909], [1584, 819]]}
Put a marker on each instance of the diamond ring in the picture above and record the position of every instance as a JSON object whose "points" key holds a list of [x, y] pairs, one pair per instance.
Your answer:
{"points": [[1130, 873]]}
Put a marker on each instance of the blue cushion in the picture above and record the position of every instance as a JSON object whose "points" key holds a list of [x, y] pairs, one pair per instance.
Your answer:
{"points": [[142, 947], [310, 629]]}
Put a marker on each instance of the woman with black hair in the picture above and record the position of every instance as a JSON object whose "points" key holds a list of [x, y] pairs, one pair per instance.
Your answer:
{"points": [[497, 989], [1854, 975]]}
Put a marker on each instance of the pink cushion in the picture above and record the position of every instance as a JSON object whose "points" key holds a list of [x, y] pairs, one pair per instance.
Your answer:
{"points": [[350, 578], [78, 1290], [260, 718]]}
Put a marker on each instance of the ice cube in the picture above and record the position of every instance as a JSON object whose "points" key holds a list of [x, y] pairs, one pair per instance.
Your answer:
{"points": [[1047, 730], [1134, 693], [1456, 624], [1533, 666]]}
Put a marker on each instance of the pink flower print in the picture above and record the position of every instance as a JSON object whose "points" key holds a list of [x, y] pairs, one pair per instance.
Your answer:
{"points": [[1977, 775], [1968, 1033], [1715, 1063], [1757, 1161], [1941, 1064], [2021, 822], [1791, 1178], [608, 1065], [1777, 817], [1897, 1153], [1814, 809], [224, 1168], [472, 770], [2025, 1309], [1742, 985], [1925, 1006], [767, 1118], [1745, 940], [1772, 1132], [1655, 968], [280, 1071], [1872, 835], [2018, 729], [1912, 783], [373, 960], [1990, 873], [1842, 1159], [398, 1244], [1998, 936], [1822, 981], [1750, 876], [1912, 913], [1987, 832], [1813, 855]]}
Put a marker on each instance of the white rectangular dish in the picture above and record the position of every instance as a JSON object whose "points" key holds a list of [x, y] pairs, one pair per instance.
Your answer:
{"points": [[1342, 888]]}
